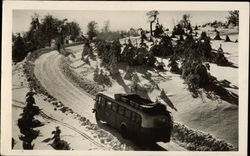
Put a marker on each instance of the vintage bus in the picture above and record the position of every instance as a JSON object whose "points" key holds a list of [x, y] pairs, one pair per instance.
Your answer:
{"points": [[135, 117]]}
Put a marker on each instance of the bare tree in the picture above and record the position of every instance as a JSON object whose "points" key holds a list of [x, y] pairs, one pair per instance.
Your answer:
{"points": [[173, 20], [152, 15], [106, 26], [35, 21], [185, 21]]}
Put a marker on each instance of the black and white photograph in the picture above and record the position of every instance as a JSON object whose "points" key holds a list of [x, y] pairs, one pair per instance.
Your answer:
{"points": [[89, 77]]}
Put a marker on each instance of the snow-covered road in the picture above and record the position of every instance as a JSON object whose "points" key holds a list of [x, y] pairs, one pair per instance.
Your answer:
{"points": [[48, 72]]}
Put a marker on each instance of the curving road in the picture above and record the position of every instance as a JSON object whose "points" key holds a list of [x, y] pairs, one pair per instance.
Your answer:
{"points": [[48, 72]]}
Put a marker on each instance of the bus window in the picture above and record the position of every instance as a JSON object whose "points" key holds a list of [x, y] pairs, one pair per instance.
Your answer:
{"points": [[138, 119], [127, 113], [99, 100], [114, 107], [109, 104], [121, 110], [103, 101], [133, 116]]}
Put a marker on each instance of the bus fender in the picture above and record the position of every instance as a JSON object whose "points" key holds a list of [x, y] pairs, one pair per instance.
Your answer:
{"points": [[123, 129]]}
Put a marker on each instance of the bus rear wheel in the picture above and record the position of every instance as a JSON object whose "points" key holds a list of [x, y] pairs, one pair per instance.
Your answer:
{"points": [[123, 131]]}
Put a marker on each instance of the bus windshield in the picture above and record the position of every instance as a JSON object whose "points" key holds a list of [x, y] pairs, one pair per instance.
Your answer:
{"points": [[160, 121], [156, 121]]}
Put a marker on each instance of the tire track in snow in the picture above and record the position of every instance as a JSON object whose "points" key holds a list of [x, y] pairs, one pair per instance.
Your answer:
{"points": [[44, 115]]}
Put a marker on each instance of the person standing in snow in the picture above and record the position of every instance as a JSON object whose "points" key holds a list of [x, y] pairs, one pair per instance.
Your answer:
{"points": [[56, 133]]}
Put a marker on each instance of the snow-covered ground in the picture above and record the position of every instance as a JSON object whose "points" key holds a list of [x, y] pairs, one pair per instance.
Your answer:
{"points": [[217, 117], [48, 72], [78, 126], [76, 141]]}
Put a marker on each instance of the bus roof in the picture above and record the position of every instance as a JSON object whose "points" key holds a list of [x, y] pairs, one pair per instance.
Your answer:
{"points": [[136, 98], [137, 103]]}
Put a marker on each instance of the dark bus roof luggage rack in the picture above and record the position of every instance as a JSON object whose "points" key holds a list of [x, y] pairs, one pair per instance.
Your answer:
{"points": [[140, 103]]}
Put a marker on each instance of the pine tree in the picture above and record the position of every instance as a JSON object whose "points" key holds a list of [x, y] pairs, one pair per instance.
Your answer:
{"points": [[96, 74], [27, 122], [101, 78], [196, 34], [233, 17], [173, 65], [203, 35], [227, 39], [92, 31], [196, 28], [220, 58], [134, 83], [19, 50], [217, 37], [128, 75], [181, 38], [87, 50]]}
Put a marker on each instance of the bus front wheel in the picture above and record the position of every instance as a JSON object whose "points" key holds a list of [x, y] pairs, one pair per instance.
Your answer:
{"points": [[123, 130]]}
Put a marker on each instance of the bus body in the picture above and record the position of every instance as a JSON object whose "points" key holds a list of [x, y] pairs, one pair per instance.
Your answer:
{"points": [[135, 117]]}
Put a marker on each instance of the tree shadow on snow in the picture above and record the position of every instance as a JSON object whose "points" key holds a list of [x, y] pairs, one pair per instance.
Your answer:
{"points": [[121, 82], [226, 84], [219, 90], [216, 90]]}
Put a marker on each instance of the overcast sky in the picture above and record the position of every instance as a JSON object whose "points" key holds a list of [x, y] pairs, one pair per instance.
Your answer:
{"points": [[119, 20]]}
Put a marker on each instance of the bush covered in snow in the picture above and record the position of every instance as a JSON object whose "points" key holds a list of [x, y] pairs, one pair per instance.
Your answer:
{"points": [[178, 30], [173, 65], [164, 48], [32, 80], [101, 78], [195, 75], [199, 141]]}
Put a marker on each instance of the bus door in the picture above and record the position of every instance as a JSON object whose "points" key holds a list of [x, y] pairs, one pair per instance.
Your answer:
{"points": [[120, 115], [114, 109], [101, 107]]}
